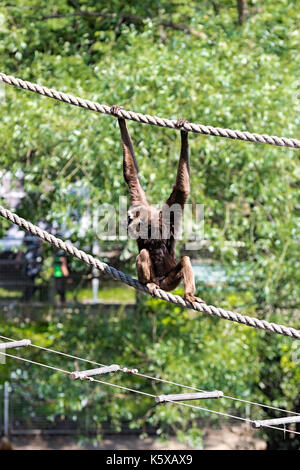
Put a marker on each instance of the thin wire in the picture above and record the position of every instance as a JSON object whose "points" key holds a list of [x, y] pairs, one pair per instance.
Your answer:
{"points": [[36, 363], [260, 404], [150, 394], [163, 380], [229, 416], [58, 352], [67, 355], [225, 396], [69, 373]]}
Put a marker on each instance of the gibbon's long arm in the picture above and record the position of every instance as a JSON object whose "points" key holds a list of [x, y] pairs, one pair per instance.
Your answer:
{"points": [[130, 167], [181, 189]]}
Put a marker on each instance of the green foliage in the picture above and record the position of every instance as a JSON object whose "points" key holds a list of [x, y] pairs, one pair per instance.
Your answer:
{"points": [[225, 75], [164, 341]]}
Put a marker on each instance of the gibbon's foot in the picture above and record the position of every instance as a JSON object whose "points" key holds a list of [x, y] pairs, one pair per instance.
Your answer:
{"points": [[115, 109], [191, 298], [180, 123], [152, 286]]}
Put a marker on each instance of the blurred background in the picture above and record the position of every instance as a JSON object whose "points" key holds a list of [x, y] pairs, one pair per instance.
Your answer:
{"points": [[222, 63]]}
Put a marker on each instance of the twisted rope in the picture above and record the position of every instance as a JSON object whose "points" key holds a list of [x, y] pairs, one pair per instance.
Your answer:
{"points": [[147, 119], [158, 293]]}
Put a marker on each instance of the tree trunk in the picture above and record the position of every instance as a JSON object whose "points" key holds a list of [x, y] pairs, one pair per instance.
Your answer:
{"points": [[242, 10]]}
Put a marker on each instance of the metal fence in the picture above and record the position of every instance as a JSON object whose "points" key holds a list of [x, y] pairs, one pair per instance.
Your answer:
{"points": [[22, 415]]}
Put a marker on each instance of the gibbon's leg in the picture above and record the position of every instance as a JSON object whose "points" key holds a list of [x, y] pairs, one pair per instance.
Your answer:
{"points": [[130, 166], [145, 270], [182, 270], [189, 281]]}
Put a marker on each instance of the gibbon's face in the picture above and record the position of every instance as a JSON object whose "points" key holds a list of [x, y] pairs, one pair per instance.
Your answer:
{"points": [[144, 222]]}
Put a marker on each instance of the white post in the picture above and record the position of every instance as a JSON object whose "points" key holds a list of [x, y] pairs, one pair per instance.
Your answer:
{"points": [[188, 396], [248, 411], [276, 421], [95, 284], [7, 391], [95, 250], [14, 344]]}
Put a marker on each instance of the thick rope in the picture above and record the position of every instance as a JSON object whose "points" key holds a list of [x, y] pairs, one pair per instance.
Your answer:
{"points": [[147, 119], [159, 293]]}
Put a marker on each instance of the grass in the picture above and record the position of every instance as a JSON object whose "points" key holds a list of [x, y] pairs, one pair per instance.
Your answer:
{"points": [[9, 294], [108, 292], [116, 292]]}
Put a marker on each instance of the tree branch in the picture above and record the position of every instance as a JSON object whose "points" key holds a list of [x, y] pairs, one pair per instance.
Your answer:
{"points": [[78, 13], [123, 18], [243, 11]]}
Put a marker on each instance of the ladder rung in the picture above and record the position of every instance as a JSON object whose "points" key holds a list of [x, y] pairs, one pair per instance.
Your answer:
{"points": [[15, 344], [89, 373], [188, 396], [271, 422]]}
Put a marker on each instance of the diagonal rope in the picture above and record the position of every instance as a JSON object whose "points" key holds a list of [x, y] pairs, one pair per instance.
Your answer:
{"points": [[157, 379], [147, 119], [121, 387], [158, 293]]}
